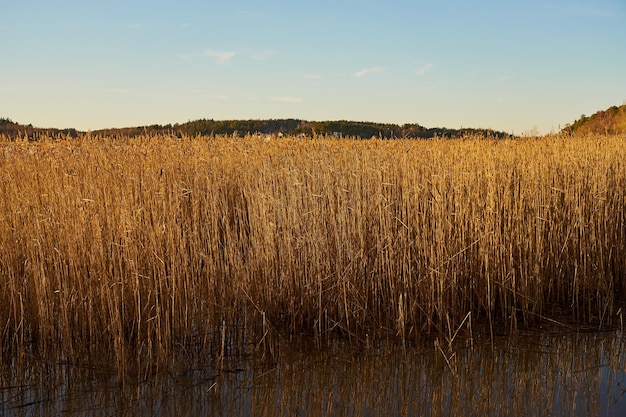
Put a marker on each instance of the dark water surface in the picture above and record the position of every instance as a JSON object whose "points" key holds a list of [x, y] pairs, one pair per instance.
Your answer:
{"points": [[574, 374]]}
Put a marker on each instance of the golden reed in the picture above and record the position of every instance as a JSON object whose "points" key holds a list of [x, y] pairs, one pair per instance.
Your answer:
{"points": [[152, 244]]}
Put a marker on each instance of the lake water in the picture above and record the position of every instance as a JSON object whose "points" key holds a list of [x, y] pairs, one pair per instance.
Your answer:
{"points": [[573, 374]]}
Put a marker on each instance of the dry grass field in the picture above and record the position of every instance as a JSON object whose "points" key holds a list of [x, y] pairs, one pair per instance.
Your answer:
{"points": [[151, 245]]}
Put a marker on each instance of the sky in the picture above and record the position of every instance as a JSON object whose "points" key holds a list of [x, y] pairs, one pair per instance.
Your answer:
{"points": [[510, 65]]}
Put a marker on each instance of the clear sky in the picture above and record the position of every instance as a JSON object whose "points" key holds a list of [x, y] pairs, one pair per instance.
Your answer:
{"points": [[509, 65]]}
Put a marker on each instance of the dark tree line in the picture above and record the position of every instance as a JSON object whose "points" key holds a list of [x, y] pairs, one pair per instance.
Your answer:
{"points": [[338, 128], [13, 130], [341, 128]]}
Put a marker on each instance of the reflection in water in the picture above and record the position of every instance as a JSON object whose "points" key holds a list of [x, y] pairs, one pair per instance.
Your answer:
{"points": [[574, 374]]}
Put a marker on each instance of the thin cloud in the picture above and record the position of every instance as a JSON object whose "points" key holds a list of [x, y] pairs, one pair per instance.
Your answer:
{"points": [[501, 79], [287, 99], [367, 71], [199, 91], [580, 9], [251, 13], [119, 91], [424, 69], [312, 76], [262, 55], [221, 57], [133, 25]]}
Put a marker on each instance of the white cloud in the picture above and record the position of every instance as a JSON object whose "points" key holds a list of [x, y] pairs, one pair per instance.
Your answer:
{"points": [[262, 54], [221, 57], [501, 79], [199, 91], [118, 91], [366, 71], [133, 25], [582, 9], [287, 99], [424, 69]]}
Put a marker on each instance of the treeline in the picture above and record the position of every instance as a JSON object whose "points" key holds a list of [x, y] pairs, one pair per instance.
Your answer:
{"points": [[13, 130], [292, 127], [609, 121], [339, 128]]}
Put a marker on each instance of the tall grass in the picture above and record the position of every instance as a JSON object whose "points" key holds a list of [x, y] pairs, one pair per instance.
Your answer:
{"points": [[147, 246]]}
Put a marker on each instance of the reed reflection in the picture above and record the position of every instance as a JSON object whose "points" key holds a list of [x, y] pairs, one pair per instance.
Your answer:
{"points": [[541, 375]]}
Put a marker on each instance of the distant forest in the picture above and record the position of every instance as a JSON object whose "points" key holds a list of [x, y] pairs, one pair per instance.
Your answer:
{"points": [[611, 120], [340, 128], [292, 127], [12, 130]]}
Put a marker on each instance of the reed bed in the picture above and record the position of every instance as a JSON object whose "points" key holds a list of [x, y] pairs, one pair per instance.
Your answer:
{"points": [[149, 246]]}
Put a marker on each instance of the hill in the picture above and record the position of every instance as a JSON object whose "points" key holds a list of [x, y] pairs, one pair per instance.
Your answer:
{"points": [[609, 121], [340, 128]]}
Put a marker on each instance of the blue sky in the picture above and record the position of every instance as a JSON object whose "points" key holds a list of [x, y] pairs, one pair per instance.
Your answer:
{"points": [[507, 65]]}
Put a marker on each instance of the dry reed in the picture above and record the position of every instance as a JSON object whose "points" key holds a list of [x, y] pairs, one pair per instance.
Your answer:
{"points": [[147, 245]]}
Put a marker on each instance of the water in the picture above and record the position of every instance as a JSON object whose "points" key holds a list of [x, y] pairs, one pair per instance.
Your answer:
{"points": [[574, 374]]}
